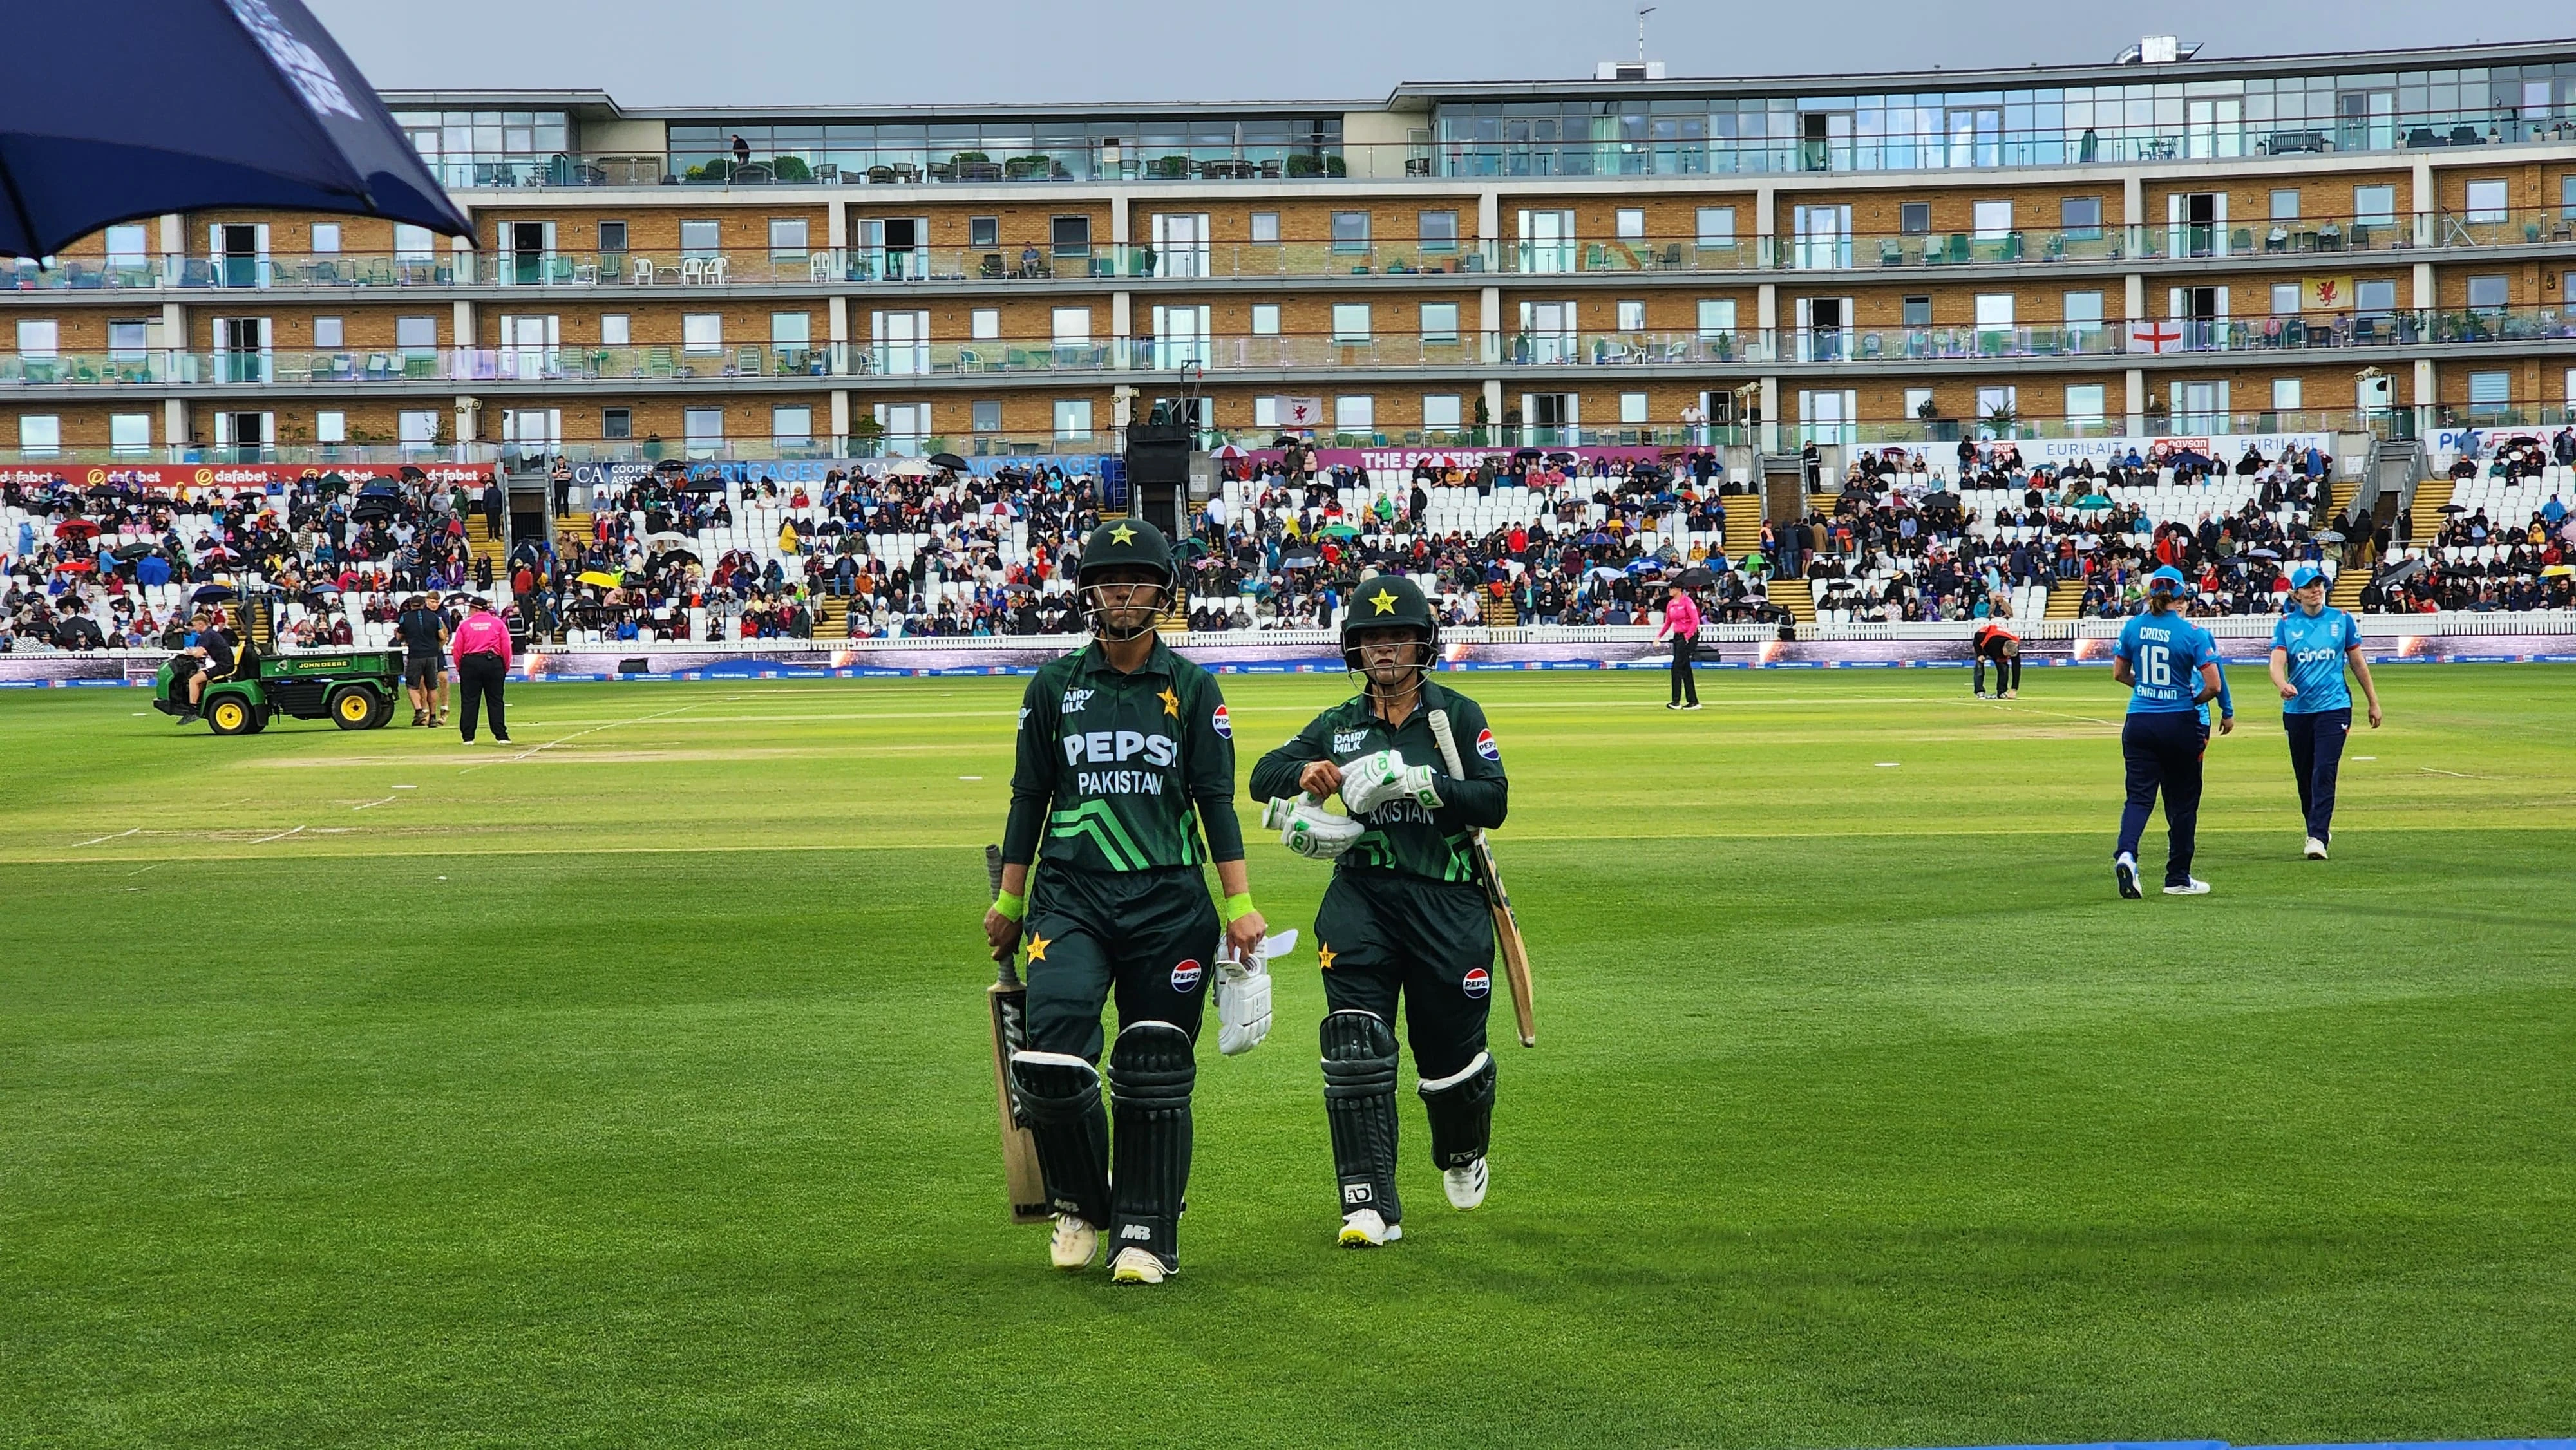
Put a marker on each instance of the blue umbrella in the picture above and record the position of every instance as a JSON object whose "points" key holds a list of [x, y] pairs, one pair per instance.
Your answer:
{"points": [[219, 103]]}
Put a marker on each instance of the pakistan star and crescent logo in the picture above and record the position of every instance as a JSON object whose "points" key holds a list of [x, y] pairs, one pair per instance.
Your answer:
{"points": [[1037, 948], [1324, 955], [1122, 534], [1384, 599], [1171, 703]]}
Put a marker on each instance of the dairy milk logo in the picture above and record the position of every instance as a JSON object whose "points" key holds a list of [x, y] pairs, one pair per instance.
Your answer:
{"points": [[1345, 741], [1073, 702]]}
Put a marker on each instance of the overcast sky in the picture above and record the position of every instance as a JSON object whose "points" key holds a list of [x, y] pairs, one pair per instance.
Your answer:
{"points": [[870, 52]]}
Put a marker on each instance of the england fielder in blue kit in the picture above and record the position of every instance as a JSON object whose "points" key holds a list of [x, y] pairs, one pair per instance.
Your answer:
{"points": [[2310, 648], [2171, 668]]}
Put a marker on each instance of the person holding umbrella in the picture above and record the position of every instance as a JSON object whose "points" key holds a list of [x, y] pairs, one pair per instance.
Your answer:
{"points": [[2311, 646], [1681, 621]]}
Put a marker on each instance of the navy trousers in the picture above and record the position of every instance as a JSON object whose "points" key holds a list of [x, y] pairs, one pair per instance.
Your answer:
{"points": [[2316, 755], [2163, 753]]}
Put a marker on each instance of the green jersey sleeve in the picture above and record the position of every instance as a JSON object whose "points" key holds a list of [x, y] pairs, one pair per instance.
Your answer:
{"points": [[1033, 776], [1208, 747], [1481, 796], [1275, 774]]}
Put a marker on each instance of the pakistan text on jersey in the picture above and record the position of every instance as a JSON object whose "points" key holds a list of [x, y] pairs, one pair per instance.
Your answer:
{"points": [[1119, 782]]}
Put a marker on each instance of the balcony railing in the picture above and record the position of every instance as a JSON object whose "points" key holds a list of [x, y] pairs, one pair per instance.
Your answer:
{"points": [[2311, 239], [1963, 342]]}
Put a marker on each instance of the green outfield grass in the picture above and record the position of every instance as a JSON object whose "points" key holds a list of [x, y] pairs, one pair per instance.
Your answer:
{"points": [[629, 1087]]}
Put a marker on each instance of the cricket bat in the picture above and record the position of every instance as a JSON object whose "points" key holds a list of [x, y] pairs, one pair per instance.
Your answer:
{"points": [[1009, 1002], [1507, 927]]}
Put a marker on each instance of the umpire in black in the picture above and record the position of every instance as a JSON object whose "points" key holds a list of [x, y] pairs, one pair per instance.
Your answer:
{"points": [[1405, 915]]}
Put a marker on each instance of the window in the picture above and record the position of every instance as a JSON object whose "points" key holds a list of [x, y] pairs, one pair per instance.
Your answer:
{"points": [[127, 341], [612, 236], [1073, 417], [1716, 316], [1993, 220], [416, 427], [1630, 224], [2375, 296], [787, 239], [1265, 319], [330, 426], [2083, 312], [2486, 294], [1994, 311], [616, 423], [1440, 410], [1439, 322], [2084, 403], [1717, 226], [1916, 400], [984, 232], [1918, 312], [1350, 322], [1350, 231], [411, 243], [984, 324], [1070, 236], [2486, 201], [613, 330], [792, 427], [326, 237], [129, 434], [2080, 217], [327, 334], [702, 332], [416, 334], [986, 414], [1354, 413], [702, 430], [1439, 231], [2285, 395], [2285, 205], [1071, 325], [2567, 197], [1631, 316], [2489, 393], [1914, 218], [1265, 411], [40, 434], [1991, 401], [127, 246], [39, 338], [2285, 298], [2374, 206], [1265, 228], [700, 239], [1632, 407], [791, 329]]}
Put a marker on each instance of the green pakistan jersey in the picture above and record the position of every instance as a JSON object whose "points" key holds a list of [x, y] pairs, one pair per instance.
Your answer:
{"points": [[1402, 837], [1111, 766]]}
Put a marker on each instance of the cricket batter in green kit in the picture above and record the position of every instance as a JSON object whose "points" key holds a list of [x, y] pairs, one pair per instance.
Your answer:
{"points": [[1405, 915], [1125, 756]]}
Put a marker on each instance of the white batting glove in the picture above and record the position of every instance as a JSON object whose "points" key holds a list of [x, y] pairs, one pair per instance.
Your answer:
{"points": [[1308, 829], [1243, 994], [1373, 780]]}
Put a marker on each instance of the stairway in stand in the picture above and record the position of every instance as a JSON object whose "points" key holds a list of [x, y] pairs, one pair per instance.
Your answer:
{"points": [[831, 618], [1743, 524], [2345, 594], [1795, 596], [2339, 495], [2425, 514], [2065, 599], [1499, 611], [577, 525]]}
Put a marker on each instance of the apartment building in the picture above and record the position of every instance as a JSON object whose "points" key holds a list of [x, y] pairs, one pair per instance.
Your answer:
{"points": [[2169, 243]]}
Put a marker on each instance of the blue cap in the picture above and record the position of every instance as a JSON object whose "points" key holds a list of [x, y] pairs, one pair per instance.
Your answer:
{"points": [[2168, 576], [2305, 575]]}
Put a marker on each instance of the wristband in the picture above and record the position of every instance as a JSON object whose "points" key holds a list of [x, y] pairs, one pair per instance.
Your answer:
{"points": [[1237, 906], [1013, 906]]}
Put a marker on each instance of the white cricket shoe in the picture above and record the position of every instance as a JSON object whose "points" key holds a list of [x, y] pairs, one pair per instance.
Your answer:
{"points": [[1465, 1186], [1368, 1229], [1074, 1243], [2316, 849], [2193, 887], [2124, 869], [1137, 1266]]}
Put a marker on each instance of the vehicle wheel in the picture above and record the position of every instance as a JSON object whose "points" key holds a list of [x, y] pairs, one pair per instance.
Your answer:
{"points": [[353, 707], [384, 713], [231, 715], [259, 720]]}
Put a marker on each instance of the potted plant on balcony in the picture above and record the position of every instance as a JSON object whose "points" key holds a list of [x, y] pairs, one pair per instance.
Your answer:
{"points": [[790, 168], [1303, 165], [866, 436]]}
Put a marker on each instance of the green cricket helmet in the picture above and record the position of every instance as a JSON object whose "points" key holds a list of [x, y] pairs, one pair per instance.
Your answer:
{"points": [[1389, 601], [1122, 544]]}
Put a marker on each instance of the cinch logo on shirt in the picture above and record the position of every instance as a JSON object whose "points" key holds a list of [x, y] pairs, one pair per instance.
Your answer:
{"points": [[2313, 656]]}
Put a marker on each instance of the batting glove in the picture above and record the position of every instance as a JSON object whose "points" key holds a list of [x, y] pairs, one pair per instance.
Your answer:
{"points": [[1373, 780], [1243, 995], [1308, 829]]}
